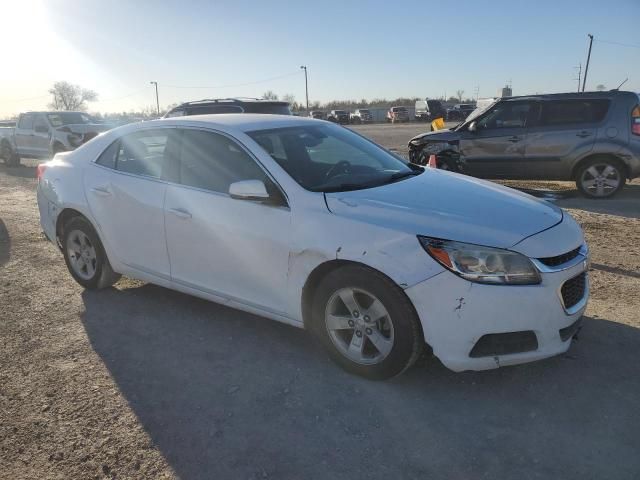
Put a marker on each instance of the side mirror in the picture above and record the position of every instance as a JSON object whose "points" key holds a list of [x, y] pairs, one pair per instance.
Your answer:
{"points": [[473, 127], [248, 190], [42, 129]]}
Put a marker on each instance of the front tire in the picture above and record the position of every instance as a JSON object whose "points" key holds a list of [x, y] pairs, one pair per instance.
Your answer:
{"points": [[366, 323], [85, 256], [601, 177], [11, 158]]}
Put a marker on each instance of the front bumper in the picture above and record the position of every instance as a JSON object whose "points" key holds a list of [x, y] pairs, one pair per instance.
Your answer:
{"points": [[456, 314]]}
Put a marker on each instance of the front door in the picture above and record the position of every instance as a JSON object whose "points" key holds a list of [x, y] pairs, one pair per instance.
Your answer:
{"points": [[238, 249], [496, 148], [41, 136], [126, 191], [24, 135]]}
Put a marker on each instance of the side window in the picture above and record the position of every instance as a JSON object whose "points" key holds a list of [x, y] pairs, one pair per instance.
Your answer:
{"points": [[571, 112], [143, 153], [26, 121], [109, 156], [506, 115], [213, 162], [40, 124]]}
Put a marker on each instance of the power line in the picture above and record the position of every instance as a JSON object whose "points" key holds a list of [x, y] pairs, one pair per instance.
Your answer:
{"points": [[617, 43], [238, 84]]}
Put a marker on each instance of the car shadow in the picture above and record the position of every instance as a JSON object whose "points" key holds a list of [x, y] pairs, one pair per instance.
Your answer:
{"points": [[5, 244], [226, 394], [22, 171]]}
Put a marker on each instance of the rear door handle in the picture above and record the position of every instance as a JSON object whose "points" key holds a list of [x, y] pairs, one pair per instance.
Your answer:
{"points": [[101, 191], [514, 139], [180, 213], [583, 134]]}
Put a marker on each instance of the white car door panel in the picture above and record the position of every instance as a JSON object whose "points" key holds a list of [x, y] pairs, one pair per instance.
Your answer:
{"points": [[235, 248], [129, 207]]}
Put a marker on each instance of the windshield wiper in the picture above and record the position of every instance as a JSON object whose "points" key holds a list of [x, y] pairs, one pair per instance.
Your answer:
{"points": [[400, 175]]}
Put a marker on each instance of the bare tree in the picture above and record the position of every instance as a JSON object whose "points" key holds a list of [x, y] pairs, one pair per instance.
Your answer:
{"points": [[270, 95], [459, 94], [289, 98], [70, 97], [600, 87]]}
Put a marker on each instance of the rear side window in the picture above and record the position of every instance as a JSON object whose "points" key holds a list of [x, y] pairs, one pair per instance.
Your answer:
{"points": [[26, 121], [142, 153], [109, 156], [213, 162], [571, 112]]}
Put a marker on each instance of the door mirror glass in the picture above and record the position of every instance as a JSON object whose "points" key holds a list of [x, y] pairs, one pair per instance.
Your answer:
{"points": [[473, 127], [248, 190], [42, 129]]}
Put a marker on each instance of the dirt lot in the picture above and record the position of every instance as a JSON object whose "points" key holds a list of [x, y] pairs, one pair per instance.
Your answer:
{"points": [[141, 382]]}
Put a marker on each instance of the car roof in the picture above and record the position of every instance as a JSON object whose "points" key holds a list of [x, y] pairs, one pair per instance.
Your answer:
{"points": [[244, 122], [569, 95]]}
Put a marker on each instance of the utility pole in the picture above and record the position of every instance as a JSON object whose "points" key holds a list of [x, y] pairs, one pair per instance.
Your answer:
{"points": [[579, 67], [306, 85], [157, 100], [586, 68]]}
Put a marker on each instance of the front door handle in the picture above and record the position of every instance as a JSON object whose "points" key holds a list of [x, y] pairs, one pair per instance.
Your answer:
{"points": [[583, 134], [101, 191], [514, 139], [180, 213]]}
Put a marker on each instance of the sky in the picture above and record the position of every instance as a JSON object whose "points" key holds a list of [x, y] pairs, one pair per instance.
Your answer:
{"points": [[353, 49]]}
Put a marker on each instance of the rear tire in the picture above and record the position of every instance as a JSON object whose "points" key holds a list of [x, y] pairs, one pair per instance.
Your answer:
{"points": [[85, 256], [376, 336], [600, 177]]}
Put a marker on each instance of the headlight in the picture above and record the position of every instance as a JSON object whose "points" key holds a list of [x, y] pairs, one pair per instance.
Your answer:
{"points": [[482, 264]]}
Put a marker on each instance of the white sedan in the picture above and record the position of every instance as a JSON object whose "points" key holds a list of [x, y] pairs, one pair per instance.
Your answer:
{"points": [[308, 223]]}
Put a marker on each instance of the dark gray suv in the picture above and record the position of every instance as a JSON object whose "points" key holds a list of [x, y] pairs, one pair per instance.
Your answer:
{"points": [[592, 138]]}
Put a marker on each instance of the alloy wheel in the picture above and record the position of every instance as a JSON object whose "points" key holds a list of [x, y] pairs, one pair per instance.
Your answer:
{"points": [[82, 254], [601, 179], [359, 326]]}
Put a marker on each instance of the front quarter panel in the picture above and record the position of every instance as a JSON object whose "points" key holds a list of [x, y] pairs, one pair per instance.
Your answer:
{"points": [[320, 236]]}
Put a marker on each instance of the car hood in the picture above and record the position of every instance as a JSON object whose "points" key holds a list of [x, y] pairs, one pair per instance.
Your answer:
{"points": [[449, 206], [437, 136]]}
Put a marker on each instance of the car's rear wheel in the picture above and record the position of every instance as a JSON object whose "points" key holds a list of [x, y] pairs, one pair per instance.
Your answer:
{"points": [[600, 178], [366, 323], [85, 256]]}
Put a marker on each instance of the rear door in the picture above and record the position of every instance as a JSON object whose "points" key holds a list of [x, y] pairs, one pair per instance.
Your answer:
{"points": [[566, 130], [24, 134], [496, 148], [125, 188]]}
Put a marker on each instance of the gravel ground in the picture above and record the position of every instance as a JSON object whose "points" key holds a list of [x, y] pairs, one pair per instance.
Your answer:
{"points": [[138, 381]]}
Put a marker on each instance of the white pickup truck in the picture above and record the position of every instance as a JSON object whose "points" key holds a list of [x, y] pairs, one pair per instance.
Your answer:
{"points": [[43, 134]]}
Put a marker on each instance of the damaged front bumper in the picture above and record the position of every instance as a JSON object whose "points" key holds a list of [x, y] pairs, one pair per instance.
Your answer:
{"points": [[463, 321]]}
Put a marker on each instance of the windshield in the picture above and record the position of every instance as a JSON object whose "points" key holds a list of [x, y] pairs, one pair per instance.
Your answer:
{"points": [[68, 118], [328, 158]]}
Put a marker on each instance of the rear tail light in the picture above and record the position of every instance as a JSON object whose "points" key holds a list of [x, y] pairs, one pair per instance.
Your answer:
{"points": [[635, 121], [40, 171]]}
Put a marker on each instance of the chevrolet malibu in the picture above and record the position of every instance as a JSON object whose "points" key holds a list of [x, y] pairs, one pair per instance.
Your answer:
{"points": [[305, 222]]}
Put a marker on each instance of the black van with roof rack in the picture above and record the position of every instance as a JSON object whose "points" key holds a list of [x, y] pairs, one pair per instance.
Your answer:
{"points": [[230, 105]]}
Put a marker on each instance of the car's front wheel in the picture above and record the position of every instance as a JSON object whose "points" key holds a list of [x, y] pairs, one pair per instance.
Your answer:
{"points": [[366, 323], [85, 256], [600, 178]]}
